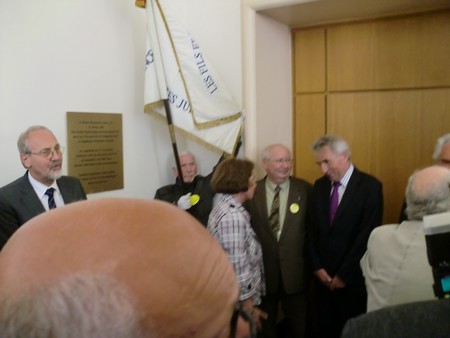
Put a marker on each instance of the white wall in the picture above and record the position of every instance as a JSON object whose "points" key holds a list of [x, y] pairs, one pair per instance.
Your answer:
{"points": [[267, 82], [88, 56]]}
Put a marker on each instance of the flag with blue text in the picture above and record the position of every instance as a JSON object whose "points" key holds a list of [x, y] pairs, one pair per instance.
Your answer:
{"points": [[178, 71]]}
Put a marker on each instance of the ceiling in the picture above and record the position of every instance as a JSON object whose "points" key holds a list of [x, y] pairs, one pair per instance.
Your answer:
{"points": [[315, 12]]}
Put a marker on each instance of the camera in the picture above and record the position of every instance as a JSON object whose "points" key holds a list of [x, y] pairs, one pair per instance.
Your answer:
{"points": [[437, 237]]}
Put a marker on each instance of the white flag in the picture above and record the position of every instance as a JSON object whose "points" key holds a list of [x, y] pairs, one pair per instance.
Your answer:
{"points": [[176, 69]]}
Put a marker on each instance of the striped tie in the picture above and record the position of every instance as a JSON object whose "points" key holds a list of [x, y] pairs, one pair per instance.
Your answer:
{"points": [[274, 218], [51, 199]]}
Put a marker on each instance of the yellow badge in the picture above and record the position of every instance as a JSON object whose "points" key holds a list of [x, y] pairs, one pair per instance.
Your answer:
{"points": [[194, 199], [294, 208]]}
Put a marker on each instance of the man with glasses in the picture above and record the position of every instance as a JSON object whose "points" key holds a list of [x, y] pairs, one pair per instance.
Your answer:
{"points": [[42, 187], [279, 212]]}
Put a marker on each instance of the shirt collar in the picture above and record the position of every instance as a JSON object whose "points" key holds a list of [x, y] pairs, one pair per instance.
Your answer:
{"points": [[39, 187], [344, 180], [270, 185]]}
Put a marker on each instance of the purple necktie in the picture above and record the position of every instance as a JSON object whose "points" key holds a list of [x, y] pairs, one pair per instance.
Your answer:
{"points": [[334, 200]]}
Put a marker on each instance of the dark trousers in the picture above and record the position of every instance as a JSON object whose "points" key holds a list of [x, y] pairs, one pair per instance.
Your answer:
{"points": [[293, 308], [334, 308]]}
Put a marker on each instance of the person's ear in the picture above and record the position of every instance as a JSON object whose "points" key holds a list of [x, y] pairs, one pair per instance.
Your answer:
{"points": [[26, 160], [175, 171]]}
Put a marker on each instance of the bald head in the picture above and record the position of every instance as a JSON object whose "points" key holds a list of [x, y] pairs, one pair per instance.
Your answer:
{"points": [[179, 279], [428, 192]]}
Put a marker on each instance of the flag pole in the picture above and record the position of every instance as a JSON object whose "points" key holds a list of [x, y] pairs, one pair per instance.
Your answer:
{"points": [[174, 141]]}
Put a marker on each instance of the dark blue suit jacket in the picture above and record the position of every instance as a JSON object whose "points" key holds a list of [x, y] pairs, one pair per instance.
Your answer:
{"points": [[338, 247], [19, 202]]}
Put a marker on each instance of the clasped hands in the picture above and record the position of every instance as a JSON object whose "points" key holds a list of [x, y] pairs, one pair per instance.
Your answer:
{"points": [[331, 283]]}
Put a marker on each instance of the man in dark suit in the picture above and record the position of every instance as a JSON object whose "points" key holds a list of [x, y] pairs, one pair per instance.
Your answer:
{"points": [[193, 195], [42, 187], [339, 233], [281, 231]]}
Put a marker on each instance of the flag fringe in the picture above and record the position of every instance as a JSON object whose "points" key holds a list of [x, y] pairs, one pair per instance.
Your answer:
{"points": [[149, 109]]}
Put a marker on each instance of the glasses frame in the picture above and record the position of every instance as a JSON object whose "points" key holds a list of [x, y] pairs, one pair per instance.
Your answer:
{"points": [[48, 153], [239, 311]]}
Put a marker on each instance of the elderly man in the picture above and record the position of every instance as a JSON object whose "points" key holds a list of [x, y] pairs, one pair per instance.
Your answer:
{"points": [[395, 265], [279, 216], [441, 157], [42, 187], [120, 268], [194, 195]]}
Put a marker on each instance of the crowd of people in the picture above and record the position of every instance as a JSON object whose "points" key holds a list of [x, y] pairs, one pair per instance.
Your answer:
{"points": [[308, 260]]}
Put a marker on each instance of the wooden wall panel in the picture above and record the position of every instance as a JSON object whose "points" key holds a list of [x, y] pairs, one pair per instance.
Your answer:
{"points": [[309, 61], [405, 52], [309, 123], [391, 134]]}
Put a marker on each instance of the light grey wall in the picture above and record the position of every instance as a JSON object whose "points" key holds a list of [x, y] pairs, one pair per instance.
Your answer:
{"points": [[88, 56]]}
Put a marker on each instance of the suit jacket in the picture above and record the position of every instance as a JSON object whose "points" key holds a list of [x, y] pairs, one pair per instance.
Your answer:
{"points": [[201, 186], [287, 255], [395, 266], [412, 320], [19, 202], [338, 247]]}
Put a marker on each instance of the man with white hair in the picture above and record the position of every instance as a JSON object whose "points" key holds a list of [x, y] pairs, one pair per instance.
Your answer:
{"points": [[441, 156], [395, 266], [193, 195]]}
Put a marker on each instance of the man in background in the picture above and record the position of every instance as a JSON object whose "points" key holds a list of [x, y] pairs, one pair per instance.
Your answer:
{"points": [[395, 266], [441, 156], [42, 187], [347, 205], [279, 214], [193, 195]]}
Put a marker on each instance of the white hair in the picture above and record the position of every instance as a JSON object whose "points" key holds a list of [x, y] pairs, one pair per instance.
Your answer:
{"points": [[83, 305]]}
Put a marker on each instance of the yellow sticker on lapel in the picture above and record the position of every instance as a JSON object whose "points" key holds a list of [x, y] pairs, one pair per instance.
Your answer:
{"points": [[294, 208], [194, 199]]}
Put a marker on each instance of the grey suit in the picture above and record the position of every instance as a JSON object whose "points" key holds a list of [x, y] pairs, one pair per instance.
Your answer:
{"points": [[284, 260], [19, 202]]}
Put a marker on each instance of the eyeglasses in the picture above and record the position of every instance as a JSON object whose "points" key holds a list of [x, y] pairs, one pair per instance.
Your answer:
{"points": [[49, 152], [282, 161], [240, 311]]}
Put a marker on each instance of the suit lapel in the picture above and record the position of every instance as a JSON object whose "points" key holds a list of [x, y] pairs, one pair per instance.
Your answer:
{"points": [[29, 198], [349, 193], [260, 199]]}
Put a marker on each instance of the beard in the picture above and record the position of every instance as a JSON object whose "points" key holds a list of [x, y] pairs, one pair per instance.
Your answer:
{"points": [[55, 175]]}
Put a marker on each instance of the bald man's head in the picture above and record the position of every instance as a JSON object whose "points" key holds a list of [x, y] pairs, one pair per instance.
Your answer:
{"points": [[428, 192], [179, 279]]}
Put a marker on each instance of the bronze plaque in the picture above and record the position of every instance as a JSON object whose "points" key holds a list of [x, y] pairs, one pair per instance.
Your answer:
{"points": [[95, 150]]}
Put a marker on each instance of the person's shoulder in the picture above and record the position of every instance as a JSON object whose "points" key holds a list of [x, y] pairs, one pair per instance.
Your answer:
{"points": [[366, 176], [166, 189], [382, 233], [12, 186], [69, 179], [322, 181]]}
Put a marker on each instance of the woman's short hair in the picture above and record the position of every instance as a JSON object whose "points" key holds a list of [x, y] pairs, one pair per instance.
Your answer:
{"points": [[232, 176]]}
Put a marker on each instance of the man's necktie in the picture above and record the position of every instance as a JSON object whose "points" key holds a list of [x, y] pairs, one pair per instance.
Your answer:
{"points": [[334, 200], [274, 217], [51, 199]]}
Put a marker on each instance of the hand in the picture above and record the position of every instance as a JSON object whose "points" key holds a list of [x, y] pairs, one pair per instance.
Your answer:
{"points": [[337, 283], [185, 202], [323, 276], [258, 315]]}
